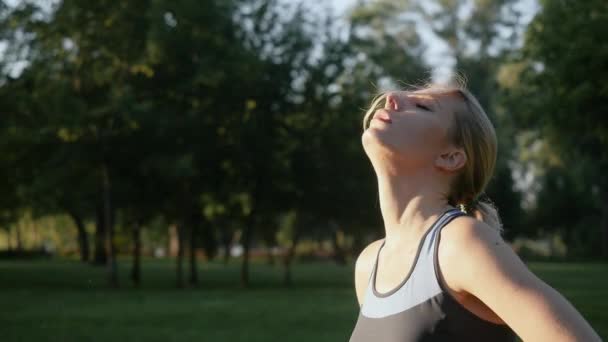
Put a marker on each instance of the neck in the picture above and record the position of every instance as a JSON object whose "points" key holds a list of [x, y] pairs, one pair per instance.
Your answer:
{"points": [[409, 203]]}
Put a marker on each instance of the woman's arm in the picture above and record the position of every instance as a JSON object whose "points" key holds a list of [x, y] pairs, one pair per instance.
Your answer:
{"points": [[474, 258]]}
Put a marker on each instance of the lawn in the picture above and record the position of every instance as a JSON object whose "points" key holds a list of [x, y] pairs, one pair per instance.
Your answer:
{"points": [[62, 300]]}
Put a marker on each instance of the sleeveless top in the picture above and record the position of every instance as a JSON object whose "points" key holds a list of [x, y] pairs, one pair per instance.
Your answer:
{"points": [[420, 309]]}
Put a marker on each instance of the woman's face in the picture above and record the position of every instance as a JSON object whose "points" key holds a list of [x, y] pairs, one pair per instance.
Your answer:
{"points": [[412, 127]]}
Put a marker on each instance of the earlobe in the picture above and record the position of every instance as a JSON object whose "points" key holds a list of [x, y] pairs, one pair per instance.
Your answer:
{"points": [[452, 160]]}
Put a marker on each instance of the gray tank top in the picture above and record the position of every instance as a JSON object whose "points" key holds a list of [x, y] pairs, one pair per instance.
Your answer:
{"points": [[420, 309]]}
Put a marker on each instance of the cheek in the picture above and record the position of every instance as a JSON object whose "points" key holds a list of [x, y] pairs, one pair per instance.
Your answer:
{"points": [[425, 135], [415, 139]]}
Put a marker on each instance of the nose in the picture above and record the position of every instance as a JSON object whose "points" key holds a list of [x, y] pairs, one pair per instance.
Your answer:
{"points": [[392, 101]]}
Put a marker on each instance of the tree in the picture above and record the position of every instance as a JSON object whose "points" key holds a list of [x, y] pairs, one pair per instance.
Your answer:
{"points": [[79, 66], [557, 87]]}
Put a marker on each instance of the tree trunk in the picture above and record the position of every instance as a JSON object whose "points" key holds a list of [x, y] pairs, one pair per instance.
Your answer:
{"points": [[289, 256], [83, 237], [604, 224], [108, 220], [180, 255], [227, 242], [270, 260], [19, 237], [248, 233], [193, 280], [270, 243], [100, 257], [9, 239], [172, 241], [246, 241], [338, 252], [36, 231], [136, 268]]}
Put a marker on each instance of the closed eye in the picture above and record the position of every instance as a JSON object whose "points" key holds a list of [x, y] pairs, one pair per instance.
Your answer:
{"points": [[421, 106]]}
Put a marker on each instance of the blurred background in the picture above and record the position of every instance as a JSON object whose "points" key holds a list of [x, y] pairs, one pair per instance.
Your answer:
{"points": [[192, 169]]}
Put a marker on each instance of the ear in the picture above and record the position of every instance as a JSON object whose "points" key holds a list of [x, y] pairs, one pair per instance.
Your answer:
{"points": [[451, 160]]}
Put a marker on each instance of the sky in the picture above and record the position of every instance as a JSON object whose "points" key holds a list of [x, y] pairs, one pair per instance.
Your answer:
{"points": [[437, 55]]}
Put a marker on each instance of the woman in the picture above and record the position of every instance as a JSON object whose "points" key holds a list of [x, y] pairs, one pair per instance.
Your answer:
{"points": [[434, 151]]}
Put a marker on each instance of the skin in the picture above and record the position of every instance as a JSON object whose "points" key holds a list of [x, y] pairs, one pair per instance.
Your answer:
{"points": [[414, 163]]}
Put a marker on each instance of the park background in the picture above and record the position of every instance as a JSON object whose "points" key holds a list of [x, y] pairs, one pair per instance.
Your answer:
{"points": [[192, 169]]}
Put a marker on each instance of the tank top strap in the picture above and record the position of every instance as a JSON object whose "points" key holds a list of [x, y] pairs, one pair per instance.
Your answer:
{"points": [[424, 258], [371, 274], [425, 265], [447, 217]]}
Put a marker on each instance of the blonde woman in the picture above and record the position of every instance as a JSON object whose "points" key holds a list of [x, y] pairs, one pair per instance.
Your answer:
{"points": [[443, 271]]}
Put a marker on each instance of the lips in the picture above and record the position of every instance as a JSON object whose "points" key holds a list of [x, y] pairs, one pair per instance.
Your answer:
{"points": [[382, 116]]}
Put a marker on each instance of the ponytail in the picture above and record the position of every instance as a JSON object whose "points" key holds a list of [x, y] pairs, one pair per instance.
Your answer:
{"points": [[485, 211]]}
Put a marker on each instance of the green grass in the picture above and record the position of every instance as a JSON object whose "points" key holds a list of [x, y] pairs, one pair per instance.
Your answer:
{"points": [[67, 301]]}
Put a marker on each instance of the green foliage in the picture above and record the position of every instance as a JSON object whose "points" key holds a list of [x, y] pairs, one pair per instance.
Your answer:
{"points": [[565, 57], [225, 114], [556, 90], [228, 115]]}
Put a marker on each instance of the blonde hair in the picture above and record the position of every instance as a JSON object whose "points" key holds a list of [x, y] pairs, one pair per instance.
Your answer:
{"points": [[473, 131]]}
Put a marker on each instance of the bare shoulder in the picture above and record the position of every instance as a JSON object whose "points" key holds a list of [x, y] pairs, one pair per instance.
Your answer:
{"points": [[464, 231], [474, 258], [363, 268], [466, 245]]}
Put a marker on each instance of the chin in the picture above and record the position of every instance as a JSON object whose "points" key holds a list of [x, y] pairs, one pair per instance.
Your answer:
{"points": [[370, 138], [373, 142]]}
